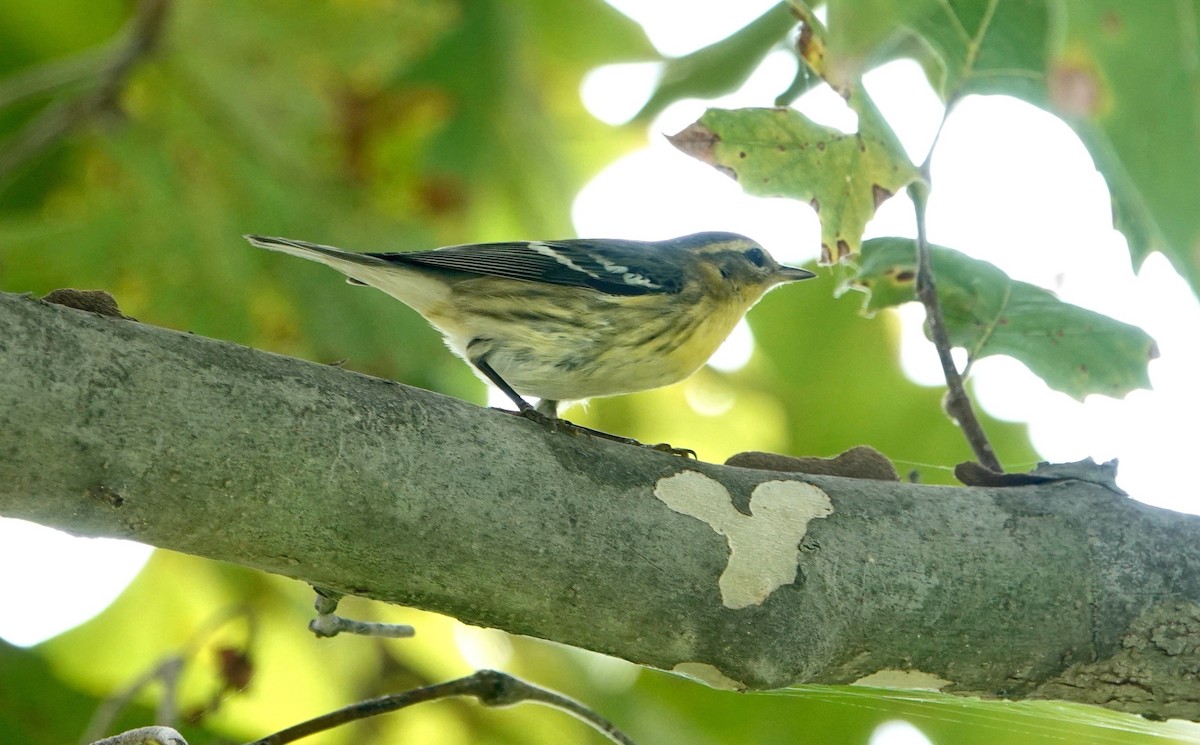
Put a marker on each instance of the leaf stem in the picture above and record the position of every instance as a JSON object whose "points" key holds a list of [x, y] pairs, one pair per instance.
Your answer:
{"points": [[957, 403]]}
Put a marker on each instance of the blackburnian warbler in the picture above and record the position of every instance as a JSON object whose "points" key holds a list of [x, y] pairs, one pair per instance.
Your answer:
{"points": [[572, 319]]}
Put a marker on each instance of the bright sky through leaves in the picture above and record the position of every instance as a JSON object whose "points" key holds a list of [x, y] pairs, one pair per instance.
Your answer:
{"points": [[1013, 186]]}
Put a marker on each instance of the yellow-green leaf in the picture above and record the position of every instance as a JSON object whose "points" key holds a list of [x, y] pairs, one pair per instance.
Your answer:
{"points": [[781, 153], [723, 66]]}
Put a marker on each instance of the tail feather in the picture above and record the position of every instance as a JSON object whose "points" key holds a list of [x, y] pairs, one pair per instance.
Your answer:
{"points": [[413, 288], [313, 251]]}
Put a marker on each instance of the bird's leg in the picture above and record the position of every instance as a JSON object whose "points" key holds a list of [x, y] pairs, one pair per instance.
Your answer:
{"points": [[524, 408], [550, 420]]}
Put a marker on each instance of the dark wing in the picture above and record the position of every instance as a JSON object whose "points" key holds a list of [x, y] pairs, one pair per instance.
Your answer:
{"points": [[614, 267]]}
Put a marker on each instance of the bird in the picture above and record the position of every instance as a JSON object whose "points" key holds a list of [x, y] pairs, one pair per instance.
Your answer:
{"points": [[570, 320]]}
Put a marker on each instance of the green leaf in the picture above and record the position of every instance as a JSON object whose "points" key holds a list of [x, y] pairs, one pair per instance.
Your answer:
{"points": [[782, 153], [721, 67], [965, 46], [984, 46], [1126, 80], [1120, 72], [858, 27], [1075, 350]]}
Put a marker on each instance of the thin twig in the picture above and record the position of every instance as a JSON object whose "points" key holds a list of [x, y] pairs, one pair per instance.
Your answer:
{"points": [[957, 402], [55, 74], [142, 735], [490, 687], [327, 623], [167, 672], [57, 120]]}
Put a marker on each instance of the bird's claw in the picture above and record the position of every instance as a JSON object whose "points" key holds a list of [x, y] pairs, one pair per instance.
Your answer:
{"points": [[665, 447]]}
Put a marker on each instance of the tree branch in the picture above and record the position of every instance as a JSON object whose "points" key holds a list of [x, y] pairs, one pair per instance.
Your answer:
{"points": [[113, 428]]}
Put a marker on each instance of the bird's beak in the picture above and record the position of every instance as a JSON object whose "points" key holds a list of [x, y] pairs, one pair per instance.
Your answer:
{"points": [[793, 273]]}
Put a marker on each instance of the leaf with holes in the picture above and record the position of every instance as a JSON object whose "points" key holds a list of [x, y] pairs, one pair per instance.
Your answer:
{"points": [[782, 153], [1075, 350]]}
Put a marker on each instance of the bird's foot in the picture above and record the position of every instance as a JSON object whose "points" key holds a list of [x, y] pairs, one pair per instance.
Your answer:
{"points": [[665, 447]]}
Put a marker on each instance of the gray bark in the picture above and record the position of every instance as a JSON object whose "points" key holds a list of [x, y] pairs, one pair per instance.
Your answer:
{"points": [[1063, 590]]}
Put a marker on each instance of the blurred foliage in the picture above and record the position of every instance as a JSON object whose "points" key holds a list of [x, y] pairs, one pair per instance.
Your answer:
{"points": [[397, 124], [48, 693]]}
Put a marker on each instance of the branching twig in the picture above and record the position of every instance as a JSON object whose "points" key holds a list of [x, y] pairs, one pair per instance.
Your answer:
{"points": [[328, 624], [957, 402], [57, 74], [58, 120], [490, 687], [167, 672]]}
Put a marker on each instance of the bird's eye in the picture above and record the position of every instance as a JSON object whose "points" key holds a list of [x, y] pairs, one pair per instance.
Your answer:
{"points": [[757, 256]]}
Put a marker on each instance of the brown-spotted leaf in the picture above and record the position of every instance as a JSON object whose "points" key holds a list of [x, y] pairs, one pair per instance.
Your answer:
{"points": [[781, 153]]}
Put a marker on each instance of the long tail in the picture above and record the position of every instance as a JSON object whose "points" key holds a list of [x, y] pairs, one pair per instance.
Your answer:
{"points": [[413, 288], [334, 257]]}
